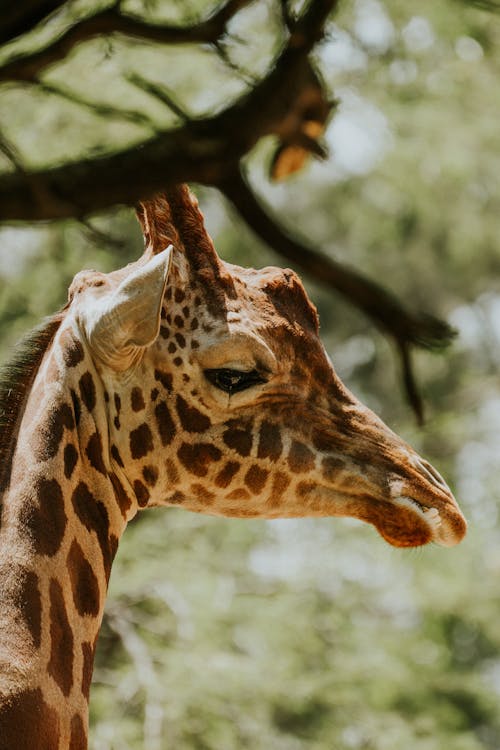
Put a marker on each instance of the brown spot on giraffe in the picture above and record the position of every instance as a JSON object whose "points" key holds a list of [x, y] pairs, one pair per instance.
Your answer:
{"points": [[19, 589], [94, 453], [84, 584], [141, 492], [240, 493], [137, 399], [73, 352], [70, 459], [239, 438], [60, 665], [191, 418], [50, 433], [94, 516], [165, 423], [323, 440], [300, 458], [150, 474], [87, 668], [30, 604], [202, 494], [331, 467], [305, 488], [87, 390], [227, 473], [78, 737], [177, 498], [280, 484], [44, 517], [112, 549], [270, 442], [27, 721], [115, 453], [77, 408], [198, 457], [165, 378], [255, 478], [141, 441], [123, 500]]}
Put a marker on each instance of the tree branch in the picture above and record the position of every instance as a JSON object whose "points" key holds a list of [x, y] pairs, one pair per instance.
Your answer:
{"points": [[410, 384], [102, 110], [157, 92], [198, 151], [23, 15], [28, 67]]}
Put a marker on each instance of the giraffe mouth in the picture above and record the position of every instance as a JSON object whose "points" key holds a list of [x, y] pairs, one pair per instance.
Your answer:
{"points": [[430, 514], [443, 530]]}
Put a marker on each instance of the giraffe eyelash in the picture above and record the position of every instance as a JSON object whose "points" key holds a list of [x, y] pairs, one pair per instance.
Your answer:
{"points": [[233, 381]]}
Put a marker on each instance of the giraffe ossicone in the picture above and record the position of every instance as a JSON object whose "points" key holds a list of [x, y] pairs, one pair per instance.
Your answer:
{"points": [[179, 380]]}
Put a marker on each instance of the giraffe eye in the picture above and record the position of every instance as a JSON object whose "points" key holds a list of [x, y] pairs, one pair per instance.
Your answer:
{"points": [[233, 381]]}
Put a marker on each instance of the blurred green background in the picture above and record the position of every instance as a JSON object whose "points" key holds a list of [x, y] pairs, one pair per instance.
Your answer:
{"points": [[225, 634]]}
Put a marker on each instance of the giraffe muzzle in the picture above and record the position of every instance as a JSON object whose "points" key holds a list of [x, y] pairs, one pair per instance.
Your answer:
{"points": [[426, 494]]}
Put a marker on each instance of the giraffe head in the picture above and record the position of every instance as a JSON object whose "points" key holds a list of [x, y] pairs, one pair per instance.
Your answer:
{"points": [[222, 399]]}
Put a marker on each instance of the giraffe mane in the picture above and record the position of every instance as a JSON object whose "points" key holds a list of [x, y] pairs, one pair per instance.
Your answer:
{"points": [[16, 380]]}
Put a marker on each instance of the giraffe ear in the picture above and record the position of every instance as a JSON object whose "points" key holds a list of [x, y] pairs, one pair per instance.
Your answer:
{"points": [[128, 318]]}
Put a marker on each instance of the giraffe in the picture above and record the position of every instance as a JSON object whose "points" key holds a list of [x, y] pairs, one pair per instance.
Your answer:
{"points": [[179, 380]]}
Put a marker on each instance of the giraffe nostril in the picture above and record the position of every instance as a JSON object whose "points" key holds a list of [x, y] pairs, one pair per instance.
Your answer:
{"points": [[430, 473]]}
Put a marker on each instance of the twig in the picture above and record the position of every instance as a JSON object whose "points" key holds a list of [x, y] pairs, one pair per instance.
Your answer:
{"points": [[23, 15], [98, 237], [492, 6], [10, 152], [27, 67], [98, 108], [410, 384], [158, 92], [245, 75]]}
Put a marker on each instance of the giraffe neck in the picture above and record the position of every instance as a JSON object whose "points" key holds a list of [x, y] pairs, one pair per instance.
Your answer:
{"points": [[63, 514]]}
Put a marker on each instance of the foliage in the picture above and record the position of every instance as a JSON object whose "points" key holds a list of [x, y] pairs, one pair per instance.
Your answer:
{"points": [[315, 634]]}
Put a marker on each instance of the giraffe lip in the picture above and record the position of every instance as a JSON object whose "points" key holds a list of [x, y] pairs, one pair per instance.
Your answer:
{"points": [[428, 511], [412, 500], [445, 531]]}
